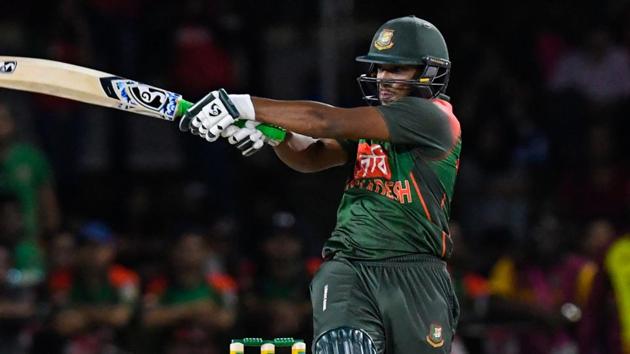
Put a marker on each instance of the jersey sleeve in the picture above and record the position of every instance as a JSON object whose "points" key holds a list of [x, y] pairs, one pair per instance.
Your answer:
{"points": [[419, 122]]}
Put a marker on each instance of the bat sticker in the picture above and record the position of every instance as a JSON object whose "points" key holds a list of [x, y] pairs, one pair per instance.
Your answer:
{"points": [[140, 97], [7, 67]]}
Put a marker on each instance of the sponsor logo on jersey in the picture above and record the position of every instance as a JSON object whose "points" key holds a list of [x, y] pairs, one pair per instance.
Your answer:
{"points": [[7, 67], [435, 338], [385, 39], [399, 191], [372, 162]]}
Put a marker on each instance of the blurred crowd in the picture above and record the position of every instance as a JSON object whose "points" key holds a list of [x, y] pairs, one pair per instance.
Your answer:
{"points": [[118, 234]]}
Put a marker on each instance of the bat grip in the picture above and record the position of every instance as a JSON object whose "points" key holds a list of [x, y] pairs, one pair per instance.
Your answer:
{"points": [[270, 131], [183, 106]]}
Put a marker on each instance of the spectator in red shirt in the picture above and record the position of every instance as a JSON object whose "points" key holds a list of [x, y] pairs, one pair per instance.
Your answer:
{"points": [[97, 299]]}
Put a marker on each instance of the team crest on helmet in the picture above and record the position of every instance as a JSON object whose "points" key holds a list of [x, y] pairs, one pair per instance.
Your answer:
{"points": [[385, 39], [435, 338]]}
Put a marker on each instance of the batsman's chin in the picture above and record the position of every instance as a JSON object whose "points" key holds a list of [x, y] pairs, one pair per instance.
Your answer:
{"points": [[386, 98]]}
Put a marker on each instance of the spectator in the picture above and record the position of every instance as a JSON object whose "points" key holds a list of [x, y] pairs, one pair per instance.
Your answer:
{"points": [[531, 288], [99, 297], [222, 246], [11, 221], [599, 71], [24, 172], [280, 293], [201, 62], [471, 289], [61, 258], [616, 263], [605, 328], [26, 255], [184, 309], [223, 258], [12, 32], [17, 307], [60, 122], [602, 181]]}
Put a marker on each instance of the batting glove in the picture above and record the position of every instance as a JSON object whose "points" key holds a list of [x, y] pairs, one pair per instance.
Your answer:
{"points": [[248, 137], [209, 116]]}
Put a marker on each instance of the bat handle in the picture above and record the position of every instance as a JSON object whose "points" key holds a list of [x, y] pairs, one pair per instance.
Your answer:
{"points": [[182, 107], [270, 131]]}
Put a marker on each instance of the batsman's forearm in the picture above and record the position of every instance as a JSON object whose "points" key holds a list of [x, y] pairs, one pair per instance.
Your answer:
{"points": [[298, 155], [305, 117]]}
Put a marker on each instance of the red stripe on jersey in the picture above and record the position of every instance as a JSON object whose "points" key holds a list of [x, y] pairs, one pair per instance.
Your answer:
{"points": [[447, 108], [419, 192], [443, 244]]}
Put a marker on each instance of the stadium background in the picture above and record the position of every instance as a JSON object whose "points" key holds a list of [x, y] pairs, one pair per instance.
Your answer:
{"points": [[541, 89]]}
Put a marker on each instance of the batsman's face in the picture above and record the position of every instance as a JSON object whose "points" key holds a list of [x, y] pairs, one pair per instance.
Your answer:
{"points": [[390, 92]]}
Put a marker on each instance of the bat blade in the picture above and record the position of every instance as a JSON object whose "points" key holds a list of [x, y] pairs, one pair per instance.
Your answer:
{"points": [[99, 88], [89, 86]]}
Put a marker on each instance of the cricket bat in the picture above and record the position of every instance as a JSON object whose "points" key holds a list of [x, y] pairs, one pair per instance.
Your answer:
{"points": [[98, 88]]}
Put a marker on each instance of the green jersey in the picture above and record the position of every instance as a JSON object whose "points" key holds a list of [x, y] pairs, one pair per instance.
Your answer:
{"points": [[175, 295], [23, 172], [397, 201]]}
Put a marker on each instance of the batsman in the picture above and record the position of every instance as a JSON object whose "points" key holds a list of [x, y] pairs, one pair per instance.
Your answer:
{"points": [[384, 287]]}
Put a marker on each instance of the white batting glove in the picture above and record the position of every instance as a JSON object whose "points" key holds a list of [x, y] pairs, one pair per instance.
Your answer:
{"points": [[215, 112], [247, 138]]}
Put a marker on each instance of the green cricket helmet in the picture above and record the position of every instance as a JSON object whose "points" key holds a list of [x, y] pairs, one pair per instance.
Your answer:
{"points": [[408, 41]]}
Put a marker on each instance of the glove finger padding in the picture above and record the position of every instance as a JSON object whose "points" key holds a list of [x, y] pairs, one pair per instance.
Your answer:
{"points": [[186, 123], [245, 144], [251, 124], [243, 133], [230, 131], [254, 142], [218, 126], [258, 144], [211, 137], [252, 137], [202, 131], [224, 123], [195, 124]]}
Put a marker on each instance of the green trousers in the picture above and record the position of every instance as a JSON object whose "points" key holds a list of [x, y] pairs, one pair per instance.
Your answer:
{"points": [[406, 304]]}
